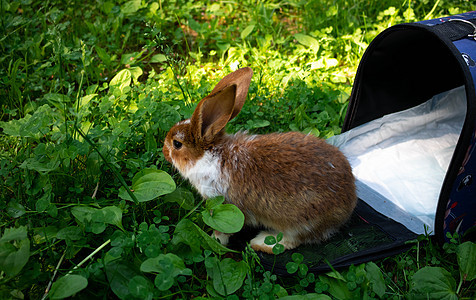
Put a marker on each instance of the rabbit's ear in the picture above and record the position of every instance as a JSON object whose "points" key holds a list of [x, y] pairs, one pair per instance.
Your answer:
{"points": [[213, 112], [241, 78]]}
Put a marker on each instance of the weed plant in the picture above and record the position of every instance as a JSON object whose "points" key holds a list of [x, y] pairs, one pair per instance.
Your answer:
{"points": [[88, 89]]}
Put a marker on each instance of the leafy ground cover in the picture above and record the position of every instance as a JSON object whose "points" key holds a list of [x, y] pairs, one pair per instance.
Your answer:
{"points": [[88, 91]]}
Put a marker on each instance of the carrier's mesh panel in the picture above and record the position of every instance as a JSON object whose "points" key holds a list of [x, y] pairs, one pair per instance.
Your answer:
{"points": [[368, 234], [356, 236]]}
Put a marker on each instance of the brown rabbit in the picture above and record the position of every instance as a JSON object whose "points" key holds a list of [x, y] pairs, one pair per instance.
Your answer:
{"points": [[290, 182]]}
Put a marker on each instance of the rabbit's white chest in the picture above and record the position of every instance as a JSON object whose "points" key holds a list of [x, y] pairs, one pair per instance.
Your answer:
{"points": [[207, 177]]}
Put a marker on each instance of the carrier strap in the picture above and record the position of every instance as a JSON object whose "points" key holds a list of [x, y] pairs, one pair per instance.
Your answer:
{"points": [[456, 29]]}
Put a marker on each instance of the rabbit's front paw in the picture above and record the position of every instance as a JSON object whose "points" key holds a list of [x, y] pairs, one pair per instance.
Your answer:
{"points": [[289, 242]]}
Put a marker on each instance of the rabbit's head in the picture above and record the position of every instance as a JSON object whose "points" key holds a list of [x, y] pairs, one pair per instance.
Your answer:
{"points": [[187, 141]]}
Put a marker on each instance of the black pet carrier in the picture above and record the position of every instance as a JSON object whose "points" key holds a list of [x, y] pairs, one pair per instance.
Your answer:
{"points": [[410, 134]]}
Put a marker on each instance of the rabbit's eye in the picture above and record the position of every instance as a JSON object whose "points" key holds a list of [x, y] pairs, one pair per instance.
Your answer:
{"points": [[177, 144]]}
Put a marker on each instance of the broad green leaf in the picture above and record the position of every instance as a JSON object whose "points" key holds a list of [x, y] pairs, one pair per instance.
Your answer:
{"points": [[314, 131], [140, 287], [84, 101], [67, 286], [115, 252], [149, 184], [214, 202], [38, 124], [375, 276], [131, 7], [95, 219], [43, 203], [147, 176], [121, 239], [324, 62], [163, 282], [258, 123], [466, 253], [119, 274], [228, 275], [188, 233], [41, 166], [14, 258], [156, 264], [15, 209], [52, 210], [167, 267], [182, 197], [153, 7], [73, 233], [158, 58], [226, 218], [13, 127], [244, 34], [130, 58], [337, 287], [122, 79], [57, 100], [107, 6], [44, 234], [307, 41], [136, 72], [433, 283], [97, 227], [211, 291], [223, 47], [336, 275], [112, 215], [11, 234], [83, 213]]}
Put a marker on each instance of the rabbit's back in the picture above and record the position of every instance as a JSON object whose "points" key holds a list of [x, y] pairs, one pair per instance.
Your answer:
{"points": [[281, 180]]}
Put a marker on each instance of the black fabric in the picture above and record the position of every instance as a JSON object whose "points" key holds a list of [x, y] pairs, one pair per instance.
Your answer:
{"points": [[403, 67], [456, 29], [368, 235]]}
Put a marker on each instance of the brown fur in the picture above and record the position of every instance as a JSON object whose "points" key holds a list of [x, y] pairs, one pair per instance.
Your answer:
{"points": [[191, 151], [287, 180]]}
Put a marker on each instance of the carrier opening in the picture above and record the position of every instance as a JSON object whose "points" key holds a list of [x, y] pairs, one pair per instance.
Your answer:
{"points": [[402, 68], [400, 160], [405, 118]]}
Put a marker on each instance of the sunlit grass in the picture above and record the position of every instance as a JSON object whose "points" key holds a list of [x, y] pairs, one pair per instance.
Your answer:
{"points": [[88, 91]]}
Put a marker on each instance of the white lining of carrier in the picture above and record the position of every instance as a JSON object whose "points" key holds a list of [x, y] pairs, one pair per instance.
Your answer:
{"points": [[401, 159]]}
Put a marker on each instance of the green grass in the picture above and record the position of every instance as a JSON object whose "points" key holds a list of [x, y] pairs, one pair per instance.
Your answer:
{"points": [[88, 90]]}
